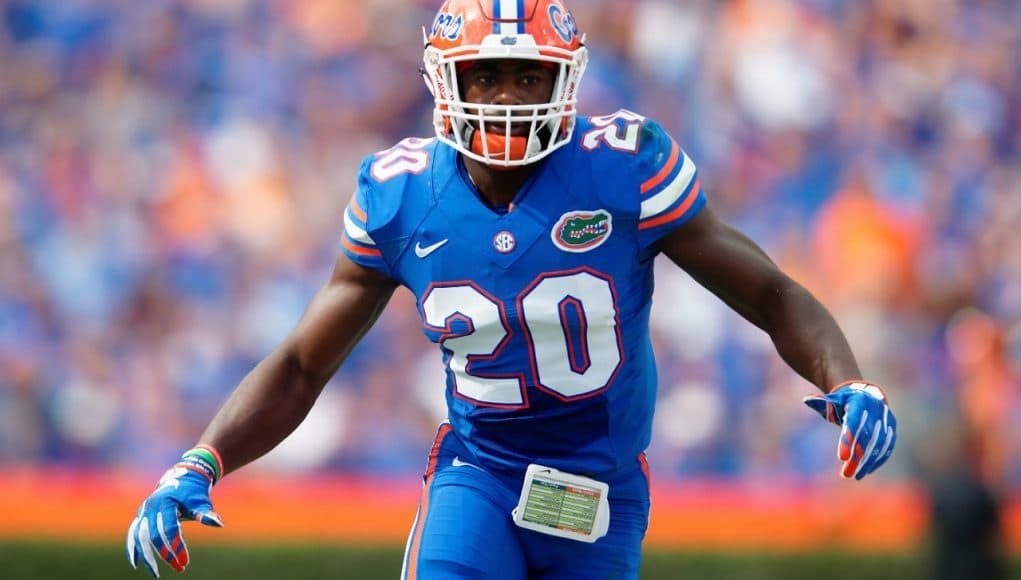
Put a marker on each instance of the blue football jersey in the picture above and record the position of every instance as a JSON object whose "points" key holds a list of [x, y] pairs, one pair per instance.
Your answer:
{"points": [[542, 310]]}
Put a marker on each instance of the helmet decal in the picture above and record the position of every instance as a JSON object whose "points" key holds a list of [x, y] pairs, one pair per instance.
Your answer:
{"points": [[447, 26], [563, 23]]}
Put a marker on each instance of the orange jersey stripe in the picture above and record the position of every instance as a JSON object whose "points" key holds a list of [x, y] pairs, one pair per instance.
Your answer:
{"points": [[359, 213], [424, 510], [358, 249], [692, 196], [675, 153], [444, 429]]}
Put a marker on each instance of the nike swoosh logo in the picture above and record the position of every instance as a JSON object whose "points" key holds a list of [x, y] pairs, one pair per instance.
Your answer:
{"points": [[458, 463], [423, 252]]}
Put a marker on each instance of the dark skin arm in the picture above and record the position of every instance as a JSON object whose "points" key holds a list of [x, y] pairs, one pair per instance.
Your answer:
{"points": [[273, 399], [739, 272]]}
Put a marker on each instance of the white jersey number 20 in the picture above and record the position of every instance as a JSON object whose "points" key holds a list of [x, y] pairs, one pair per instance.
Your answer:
{"points": [[568, 361]]}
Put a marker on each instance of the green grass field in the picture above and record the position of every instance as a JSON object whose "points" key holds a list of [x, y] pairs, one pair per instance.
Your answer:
{"points": [[30, 561]]}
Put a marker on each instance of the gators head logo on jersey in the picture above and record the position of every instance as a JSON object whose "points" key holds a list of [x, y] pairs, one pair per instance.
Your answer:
{"points": [[581, 231]]}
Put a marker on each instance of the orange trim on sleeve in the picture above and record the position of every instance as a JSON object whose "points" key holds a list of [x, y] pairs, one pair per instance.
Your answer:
{"points": [[675, 153], [355, 209], [358, 249], [692, 196]]}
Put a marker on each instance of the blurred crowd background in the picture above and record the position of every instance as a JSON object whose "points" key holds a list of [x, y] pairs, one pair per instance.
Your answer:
{"points": [[173, 174]]}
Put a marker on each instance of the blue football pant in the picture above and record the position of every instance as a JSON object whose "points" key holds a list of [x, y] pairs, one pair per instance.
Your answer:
{"points": [[464, 529]]}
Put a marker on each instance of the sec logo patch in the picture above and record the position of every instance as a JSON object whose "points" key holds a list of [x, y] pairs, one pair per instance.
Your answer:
{"points": [[504, 242]]}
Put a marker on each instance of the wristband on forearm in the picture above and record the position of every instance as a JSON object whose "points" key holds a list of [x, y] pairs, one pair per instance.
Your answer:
{"points": [[204, 459]]}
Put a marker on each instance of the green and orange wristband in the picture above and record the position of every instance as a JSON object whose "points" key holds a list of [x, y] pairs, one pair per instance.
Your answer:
{"points": [[203, 460]]}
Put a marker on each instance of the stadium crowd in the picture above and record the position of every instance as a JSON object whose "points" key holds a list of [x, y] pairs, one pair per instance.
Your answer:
{"points": [[172, 178]]}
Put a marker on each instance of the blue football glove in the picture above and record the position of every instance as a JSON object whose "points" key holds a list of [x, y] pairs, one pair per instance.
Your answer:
{"points": [[868, 427], [182, 492]]}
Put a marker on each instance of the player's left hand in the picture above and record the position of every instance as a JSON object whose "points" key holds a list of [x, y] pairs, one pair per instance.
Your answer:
{"points": [[868, 427], [155, 533]]}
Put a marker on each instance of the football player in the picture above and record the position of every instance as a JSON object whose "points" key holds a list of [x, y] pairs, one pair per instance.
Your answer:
{"points": [[528, 235]]}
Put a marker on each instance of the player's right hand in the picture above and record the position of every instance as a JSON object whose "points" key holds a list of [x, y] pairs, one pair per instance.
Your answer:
{"points": [[182, 493]]}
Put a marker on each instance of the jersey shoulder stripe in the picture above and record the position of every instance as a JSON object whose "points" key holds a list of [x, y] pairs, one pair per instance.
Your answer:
{"points": [[355, 223], [395, 190], [668, 183], [680, 211], [661, 199], [355, 240], [665, 171]]}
